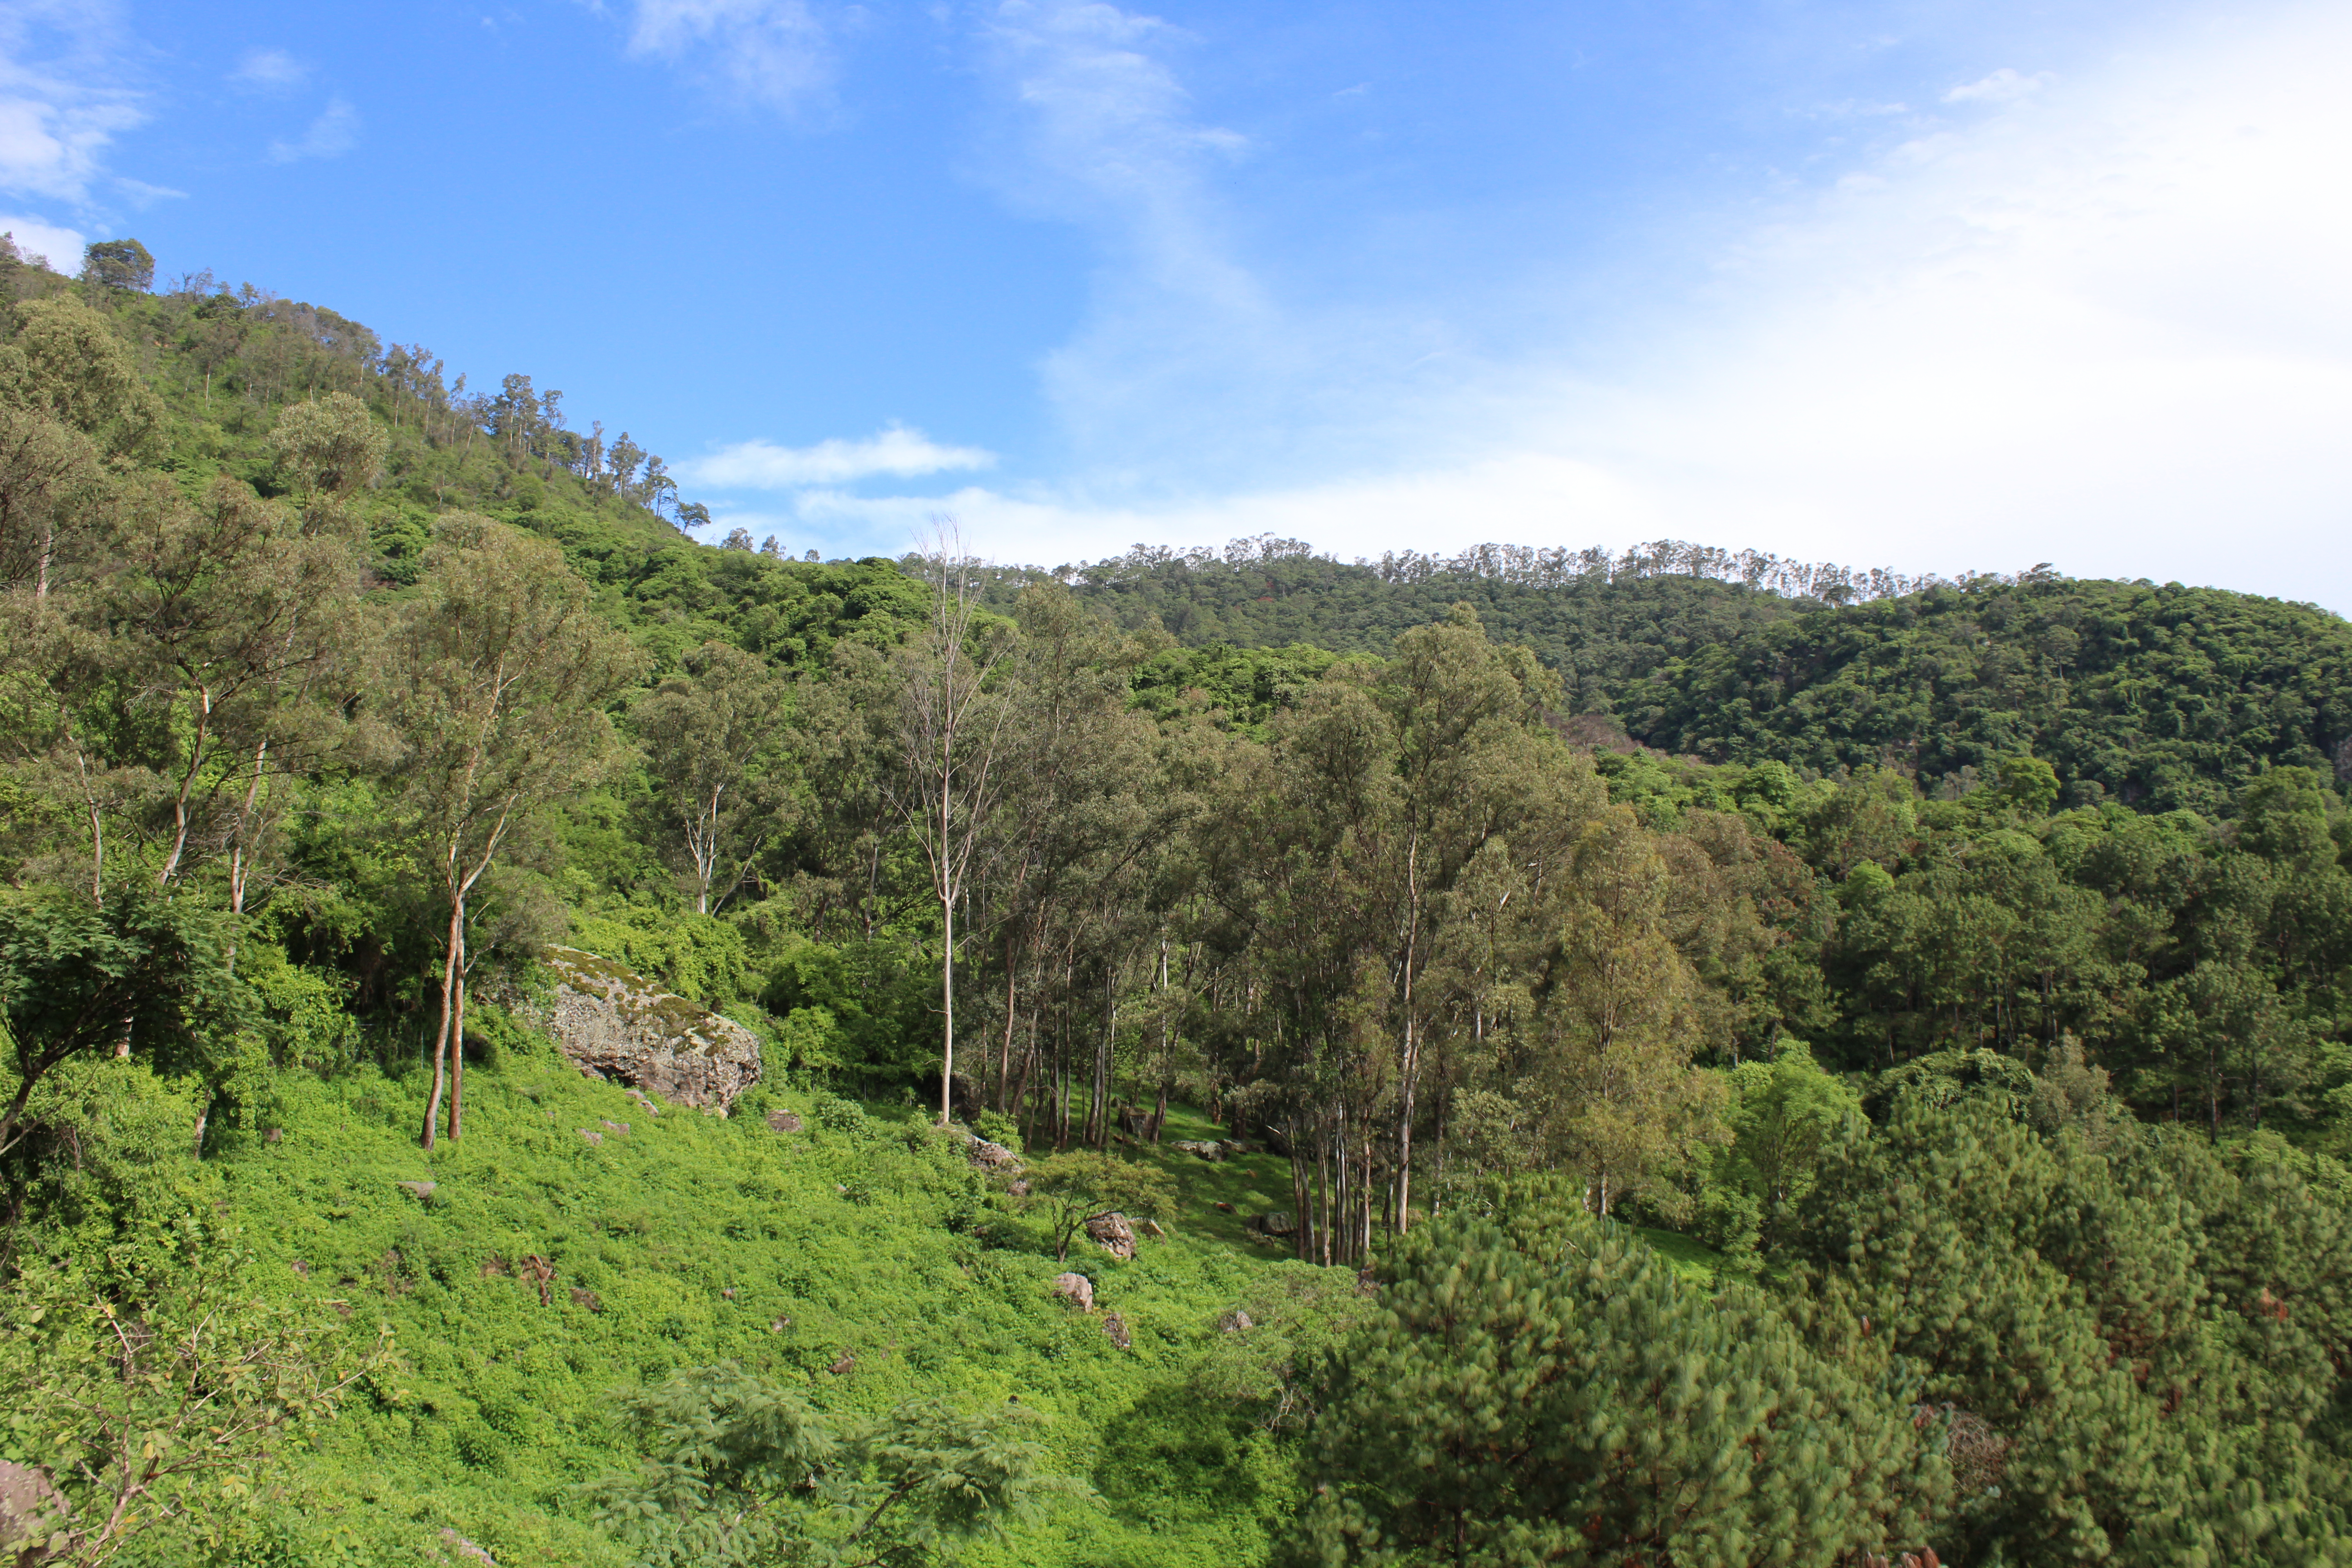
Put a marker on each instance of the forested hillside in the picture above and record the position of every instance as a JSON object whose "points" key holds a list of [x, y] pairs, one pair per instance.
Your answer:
{"points": [[2156, 696], [1891, 1043]]}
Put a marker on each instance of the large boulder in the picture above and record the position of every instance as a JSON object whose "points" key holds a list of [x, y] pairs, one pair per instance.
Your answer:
{"points": [[614, 1023], [984, 1155], [1112, 1234]]}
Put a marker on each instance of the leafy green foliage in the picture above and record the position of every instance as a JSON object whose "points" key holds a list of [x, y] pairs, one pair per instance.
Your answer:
{"points": [[160, 1391], [78, 978], [1537, 1387], [1072, 1187]]}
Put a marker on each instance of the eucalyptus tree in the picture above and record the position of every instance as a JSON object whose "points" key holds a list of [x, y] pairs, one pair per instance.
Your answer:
{"points": [[950, 729], [1080, 811], [714, 736], [63, 366], [1473, 765], [497, 675]]}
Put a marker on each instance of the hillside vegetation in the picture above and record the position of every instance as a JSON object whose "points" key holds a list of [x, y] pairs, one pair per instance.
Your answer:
{"points": [[1741, 1063], [2158, 696]]}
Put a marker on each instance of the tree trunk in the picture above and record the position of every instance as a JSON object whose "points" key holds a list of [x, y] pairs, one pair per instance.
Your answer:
{"points": [[457, 1058], [448, 1002], [947, 1005], [1012, 1014]]}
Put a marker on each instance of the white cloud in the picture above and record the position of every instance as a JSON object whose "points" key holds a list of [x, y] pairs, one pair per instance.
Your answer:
{"points": [[773, 51], [270, 70], [2003, 86], [334, 133], [60, 246], [2100, 324], [896, 451], [64, 97]]}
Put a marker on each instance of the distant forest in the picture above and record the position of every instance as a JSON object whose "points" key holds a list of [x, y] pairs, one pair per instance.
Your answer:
{"points": [[2158, 696]]}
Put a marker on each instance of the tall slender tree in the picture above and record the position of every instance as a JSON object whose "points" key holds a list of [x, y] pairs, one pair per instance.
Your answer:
{"points": [[498, 676], [951, 736]]}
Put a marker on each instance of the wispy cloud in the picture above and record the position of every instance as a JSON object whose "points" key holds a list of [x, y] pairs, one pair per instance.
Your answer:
{"points": [[1188, 358], [2098, 322], [2004, 86], [270, 70], [897, 451], [65, 95], [334, 133], [776, 52]]}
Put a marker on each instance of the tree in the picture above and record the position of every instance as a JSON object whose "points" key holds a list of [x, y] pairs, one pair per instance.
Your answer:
{"points": [[78, 978], [1616, 1022], [497, 674], [65, 366], [49, 477], [329, 447], [951, 728], [1471, 769], [65, 361], [711, 736], [1785, 1116], [1537, 1387], [155, 1399], [1072, 1188], [225, 607], [739, 1469], [119, 264]]}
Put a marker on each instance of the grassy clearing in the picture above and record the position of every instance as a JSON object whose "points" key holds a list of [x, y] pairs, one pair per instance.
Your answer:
{"points": [[1695, 1263], [679, 1239], [1252, 1183]]}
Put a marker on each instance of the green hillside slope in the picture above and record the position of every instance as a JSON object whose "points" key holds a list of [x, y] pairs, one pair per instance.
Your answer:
{"points": [[2159, 697]]}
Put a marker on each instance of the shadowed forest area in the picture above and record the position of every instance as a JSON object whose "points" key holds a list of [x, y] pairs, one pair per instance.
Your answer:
{"points": [[1675, 1057]]}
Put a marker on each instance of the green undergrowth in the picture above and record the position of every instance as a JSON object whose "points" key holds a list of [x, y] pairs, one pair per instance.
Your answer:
{"points": [[1692, 1261], [678, 1239], [859, 1257], [1253, 1185]]}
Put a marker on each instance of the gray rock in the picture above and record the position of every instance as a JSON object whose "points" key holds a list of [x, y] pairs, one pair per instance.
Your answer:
{"points": [[784, 1121], [1077, 1288], [422, 1190], [613, 1024], [1115, 1327], [1112, 1234], [1207, 1149], [1279, 1223], [1236, 1322], [467, 1549], [988, 1156], [30, 1508]]}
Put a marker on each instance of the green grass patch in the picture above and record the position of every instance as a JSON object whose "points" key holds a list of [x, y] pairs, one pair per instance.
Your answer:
{"points": [[1693, 1262], [1250, 1184], [681, 1239]]}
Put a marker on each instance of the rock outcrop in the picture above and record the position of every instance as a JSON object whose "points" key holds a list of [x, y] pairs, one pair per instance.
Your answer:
{"points": [[1112, 1234], [614, 1024], [1077, 1289], [987, 1156]]}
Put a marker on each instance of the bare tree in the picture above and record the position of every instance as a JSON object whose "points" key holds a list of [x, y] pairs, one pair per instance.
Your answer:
{"points": [[951, 729]]}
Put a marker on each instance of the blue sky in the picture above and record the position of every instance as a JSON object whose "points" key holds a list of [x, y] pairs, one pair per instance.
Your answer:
{"points": [[1937, 286]]}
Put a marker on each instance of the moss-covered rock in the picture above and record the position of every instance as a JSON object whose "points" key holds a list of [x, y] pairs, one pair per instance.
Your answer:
{"points": [[613, 1023]]}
